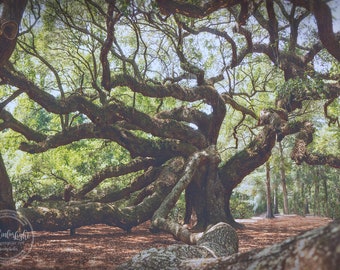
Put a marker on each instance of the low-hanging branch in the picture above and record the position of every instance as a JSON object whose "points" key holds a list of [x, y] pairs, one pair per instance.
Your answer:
{"points": [[141, 182], [55, 216], [134, 165]]}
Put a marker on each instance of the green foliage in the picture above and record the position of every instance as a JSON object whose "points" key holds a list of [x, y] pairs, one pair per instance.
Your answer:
{"points": [[240, 206], [298, 88]]}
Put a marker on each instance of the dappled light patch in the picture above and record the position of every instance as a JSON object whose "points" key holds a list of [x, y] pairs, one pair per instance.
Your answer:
{"points": [[261, 232]]}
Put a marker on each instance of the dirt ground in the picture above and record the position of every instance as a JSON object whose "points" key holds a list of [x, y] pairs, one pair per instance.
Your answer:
{"points": [[104, 247]]}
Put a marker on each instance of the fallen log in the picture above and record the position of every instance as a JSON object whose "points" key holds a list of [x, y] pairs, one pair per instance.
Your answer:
{"points": [[219, 240], [315, 249]]}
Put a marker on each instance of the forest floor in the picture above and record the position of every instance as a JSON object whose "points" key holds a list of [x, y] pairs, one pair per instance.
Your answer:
{"points": [[104, 247]]}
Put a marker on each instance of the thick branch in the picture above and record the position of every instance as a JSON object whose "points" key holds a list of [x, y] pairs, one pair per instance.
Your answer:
{"points": [[323, 16], [141, 182], [137, 146], [189, 115], [114, 171], [12, 123], [110, 22], [194, 10], [63, 216], [273, 28], [244, 162], [10, 18], [300, 152]]}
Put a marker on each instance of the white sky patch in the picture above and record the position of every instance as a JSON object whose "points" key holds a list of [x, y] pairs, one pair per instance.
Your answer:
{"points": [[335, 7]]}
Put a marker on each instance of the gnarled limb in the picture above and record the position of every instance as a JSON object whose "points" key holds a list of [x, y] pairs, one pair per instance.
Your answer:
{"points": [[197, 10], [323, 16], [114, 171], [142, 183], [300, 152], [12, 123], [137, 146], [159, 219], [63, 216]]}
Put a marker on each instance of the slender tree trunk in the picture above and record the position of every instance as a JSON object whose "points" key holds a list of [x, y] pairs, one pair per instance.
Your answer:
{"points": [[316, 194], [306, 207], [283, 181], [324, 182], [276, 202], [269, 200]]}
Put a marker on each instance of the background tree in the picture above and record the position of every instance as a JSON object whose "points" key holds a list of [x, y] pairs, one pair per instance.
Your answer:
{"points": [[144, 91], [270, 212]]}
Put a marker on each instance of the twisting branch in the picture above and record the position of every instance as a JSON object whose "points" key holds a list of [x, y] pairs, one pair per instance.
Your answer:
{"points": [[332, 120], [110, 22], [195, 10], [135, 165], [142, 183], [12, 123], [245, 111], [160, 218], [323, 16], [273, 29], [300, 152]]}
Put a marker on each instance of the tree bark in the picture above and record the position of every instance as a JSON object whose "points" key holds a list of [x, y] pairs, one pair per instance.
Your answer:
{"points": [[6, 197], [316, 249], [10, 18], [241, 164]]}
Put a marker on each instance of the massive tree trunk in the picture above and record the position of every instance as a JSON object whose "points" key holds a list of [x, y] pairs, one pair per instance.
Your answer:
{"points": [[6, 197], [316, 249]]}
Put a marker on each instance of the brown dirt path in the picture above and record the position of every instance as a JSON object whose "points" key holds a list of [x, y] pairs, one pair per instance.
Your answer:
{"points": [[104, 247]]}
